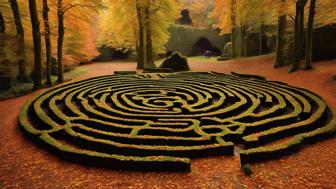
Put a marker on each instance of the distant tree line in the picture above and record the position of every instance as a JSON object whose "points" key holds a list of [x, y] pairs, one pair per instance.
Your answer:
{"points": [[233, 14], [79, 19]]}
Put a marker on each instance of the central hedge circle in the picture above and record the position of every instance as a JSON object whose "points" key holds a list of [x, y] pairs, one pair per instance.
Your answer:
{"points": [[160, 121]]}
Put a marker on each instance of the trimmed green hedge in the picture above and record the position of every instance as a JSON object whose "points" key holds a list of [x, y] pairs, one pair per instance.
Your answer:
{"points": [[157, 122]]}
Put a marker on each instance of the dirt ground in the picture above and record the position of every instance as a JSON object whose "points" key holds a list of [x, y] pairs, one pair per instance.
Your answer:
{"points": [[24, 165]]}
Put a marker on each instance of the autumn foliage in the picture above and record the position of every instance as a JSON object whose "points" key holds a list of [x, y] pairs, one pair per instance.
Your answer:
{"points": [[77, 27], [299, 17]]}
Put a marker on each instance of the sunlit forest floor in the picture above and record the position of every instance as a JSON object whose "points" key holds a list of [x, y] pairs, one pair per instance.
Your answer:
{"points": [[25, 165]]}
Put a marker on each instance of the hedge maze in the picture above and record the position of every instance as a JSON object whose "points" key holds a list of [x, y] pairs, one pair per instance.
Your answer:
{"points": [[158, 122]]}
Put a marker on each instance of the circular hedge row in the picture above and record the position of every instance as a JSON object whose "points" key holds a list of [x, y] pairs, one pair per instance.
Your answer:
{"points": [[160, 121]]}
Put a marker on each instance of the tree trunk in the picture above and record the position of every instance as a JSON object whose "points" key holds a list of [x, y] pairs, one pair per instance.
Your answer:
{"points": [[2, 24], [243, 40], [309, 37], [22, 77], [141, 51], [261, 40], [299, 33], [149, 42], [302, 36], [281, 41], [37, 73], [234, 25], [139, 59], [47, 40], [296, 63], [60, 13]]}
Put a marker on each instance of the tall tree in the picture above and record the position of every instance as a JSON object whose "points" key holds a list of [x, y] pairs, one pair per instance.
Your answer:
{"points": [[250, 13], [149, 43], [303, 4], [270, 12], [299, 34], [296, 60], [37, 73], [150, 10], [60, 14], [142, 59], [150, 19], [282, 22], [22, 77], [234, 26], [261, 38], [47, 40], [243, 39], [64, 6], [2, 24], [309, 35]]}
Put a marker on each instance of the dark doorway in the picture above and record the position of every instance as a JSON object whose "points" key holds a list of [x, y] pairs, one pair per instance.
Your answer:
{"points": [[202, 45]]}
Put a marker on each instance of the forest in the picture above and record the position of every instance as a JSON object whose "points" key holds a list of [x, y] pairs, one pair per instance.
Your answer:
{"points": [[71, 31], [167, 93]]}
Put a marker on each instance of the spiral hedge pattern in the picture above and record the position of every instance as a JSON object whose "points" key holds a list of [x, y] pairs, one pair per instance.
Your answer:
{"points": [[160, 121]]}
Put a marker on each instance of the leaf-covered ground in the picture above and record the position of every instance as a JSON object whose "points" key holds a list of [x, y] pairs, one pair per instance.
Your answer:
{"points": [[25, 165]]}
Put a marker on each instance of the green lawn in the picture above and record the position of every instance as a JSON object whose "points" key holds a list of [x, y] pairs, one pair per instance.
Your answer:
{"points": [[202, 58]]}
